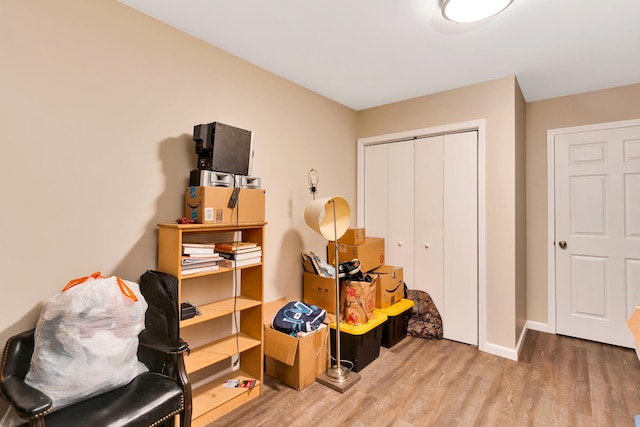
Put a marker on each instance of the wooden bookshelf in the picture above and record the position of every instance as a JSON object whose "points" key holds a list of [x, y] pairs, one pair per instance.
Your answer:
{"points": [[210, 398]]}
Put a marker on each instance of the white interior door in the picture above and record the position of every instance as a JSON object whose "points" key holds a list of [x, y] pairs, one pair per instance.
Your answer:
{"points": [[429, 219], [400, 236], [597, 233], [460, 206]]}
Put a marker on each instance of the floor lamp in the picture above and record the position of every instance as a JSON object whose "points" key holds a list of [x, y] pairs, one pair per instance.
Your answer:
{"points": [[330, 218]]}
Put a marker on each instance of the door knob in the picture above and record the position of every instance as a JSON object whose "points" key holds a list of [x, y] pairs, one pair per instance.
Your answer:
{"points": [[399, 244], [562, 244]]}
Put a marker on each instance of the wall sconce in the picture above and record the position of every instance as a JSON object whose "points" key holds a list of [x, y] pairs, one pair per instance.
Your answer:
{"points": [[312, 177]]}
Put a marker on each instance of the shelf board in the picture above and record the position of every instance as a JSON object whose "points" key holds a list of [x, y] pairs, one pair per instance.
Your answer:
{"points": [[217, 351], [212, 400], [218, 271], [219, 309], [213, 227]]}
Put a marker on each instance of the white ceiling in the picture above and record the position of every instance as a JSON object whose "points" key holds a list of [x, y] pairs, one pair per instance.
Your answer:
{"points": [[365, 53]]}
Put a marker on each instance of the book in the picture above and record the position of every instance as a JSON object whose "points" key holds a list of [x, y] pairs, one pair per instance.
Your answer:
{"points": [[237, 247], [230, 263], [190, 250], [199, 263], [199, 245], [239, 383], [199, 269], [214, 255], [240, 251], [186, 261], [241, 255]]}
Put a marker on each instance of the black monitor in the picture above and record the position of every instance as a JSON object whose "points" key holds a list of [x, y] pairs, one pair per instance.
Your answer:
{"points": [[223, 148]]}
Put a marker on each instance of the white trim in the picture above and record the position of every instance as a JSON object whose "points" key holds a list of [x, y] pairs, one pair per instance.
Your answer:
{"points": [[538, 326], [479, 126], [520, 343], [551, 208], [498, 350]]}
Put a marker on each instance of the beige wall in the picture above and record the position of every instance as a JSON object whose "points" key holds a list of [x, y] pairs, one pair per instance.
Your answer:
{"points": [[97, 107], [496, 102], [521, 213], [611, 105]]}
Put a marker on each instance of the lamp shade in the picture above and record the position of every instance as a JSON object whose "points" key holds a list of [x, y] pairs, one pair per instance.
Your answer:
{"points": [[472, 10], [318, 215]]}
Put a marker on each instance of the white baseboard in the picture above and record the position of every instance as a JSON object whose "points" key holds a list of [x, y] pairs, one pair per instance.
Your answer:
{"points": [[498, 350], [510, 353], [538, 326]]}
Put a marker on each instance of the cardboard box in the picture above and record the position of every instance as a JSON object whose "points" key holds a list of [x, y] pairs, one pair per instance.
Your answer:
{"points": [[210, 205], [294, 361], [353, 236], [390, 285], [320, 291], [370, 253], [633, 323]]}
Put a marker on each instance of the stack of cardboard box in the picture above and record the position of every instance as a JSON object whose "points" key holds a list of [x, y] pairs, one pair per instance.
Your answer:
{"points": [[297, 361], [320, 290], [360, 343]]}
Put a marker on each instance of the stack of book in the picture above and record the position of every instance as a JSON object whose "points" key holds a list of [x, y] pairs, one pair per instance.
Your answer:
{"points": [[239, 254], [199, 258]]}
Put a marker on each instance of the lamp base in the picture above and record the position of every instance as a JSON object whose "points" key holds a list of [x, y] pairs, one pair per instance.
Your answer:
{"points": [[338, 378]]}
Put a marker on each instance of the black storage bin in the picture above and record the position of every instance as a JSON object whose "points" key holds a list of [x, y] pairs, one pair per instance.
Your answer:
{"points": [[359, 344], [395, 329]]}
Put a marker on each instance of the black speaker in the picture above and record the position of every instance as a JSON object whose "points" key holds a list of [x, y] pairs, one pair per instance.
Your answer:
{"points": [[223, 148]]}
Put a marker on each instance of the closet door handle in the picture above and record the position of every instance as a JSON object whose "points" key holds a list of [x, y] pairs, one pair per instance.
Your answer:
{"points": [[562, 244]]}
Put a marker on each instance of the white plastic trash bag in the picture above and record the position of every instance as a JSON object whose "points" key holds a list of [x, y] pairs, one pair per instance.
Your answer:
{"points": [[86, 339]]}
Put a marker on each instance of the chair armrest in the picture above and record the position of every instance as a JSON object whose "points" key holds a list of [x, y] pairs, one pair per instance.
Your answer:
{"points": [[164, 345], [26, 400]]}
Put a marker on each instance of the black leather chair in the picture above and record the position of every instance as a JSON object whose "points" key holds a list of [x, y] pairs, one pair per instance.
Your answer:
{"points": [[153, 398]]}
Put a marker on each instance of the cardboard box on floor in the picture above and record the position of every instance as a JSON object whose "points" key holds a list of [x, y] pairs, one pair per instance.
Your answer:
{"points": [[294, 361], [390, 288], [210, 205], [633, 323], [370, 253]]}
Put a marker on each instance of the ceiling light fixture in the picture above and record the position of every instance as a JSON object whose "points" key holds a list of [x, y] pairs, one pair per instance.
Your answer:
{"points": [[472, 10]]}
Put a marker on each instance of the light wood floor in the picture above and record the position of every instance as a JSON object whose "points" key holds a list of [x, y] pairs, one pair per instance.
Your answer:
{"points": [[559, 381]]}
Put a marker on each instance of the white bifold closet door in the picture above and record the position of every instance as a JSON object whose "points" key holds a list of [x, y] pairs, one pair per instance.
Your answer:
{"points": [[421, 195]]}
